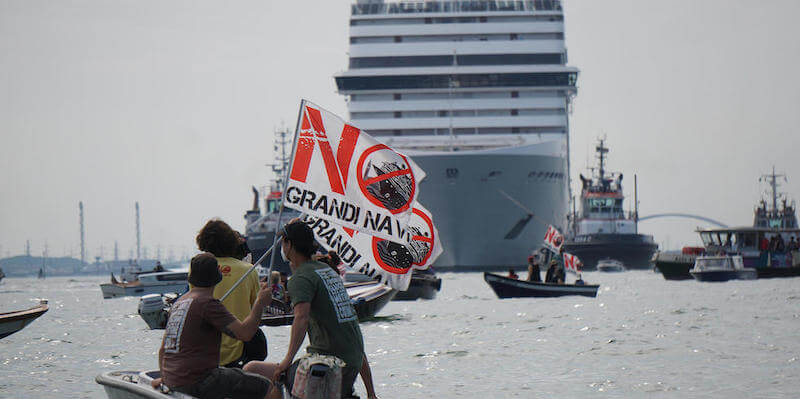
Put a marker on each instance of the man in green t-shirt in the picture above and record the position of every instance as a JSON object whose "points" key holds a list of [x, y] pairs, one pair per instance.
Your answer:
{"points": [[323, 309]]}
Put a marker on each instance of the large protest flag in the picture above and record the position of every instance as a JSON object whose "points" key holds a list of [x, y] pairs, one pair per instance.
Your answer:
{"points": [[571, 263], [553, 239], [343, 175], [388, 261]]}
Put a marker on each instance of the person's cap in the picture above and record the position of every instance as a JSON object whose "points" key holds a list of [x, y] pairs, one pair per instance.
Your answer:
{"points": [[204, 271], [297, 232], [530, 259]]}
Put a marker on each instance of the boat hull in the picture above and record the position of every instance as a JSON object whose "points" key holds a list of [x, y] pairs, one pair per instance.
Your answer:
{"points": [[724, 275], [778, 272], [506, 287], [633, 250], [674, 266], [12, 322], [465, 195], [116, 290], [421, 287]]}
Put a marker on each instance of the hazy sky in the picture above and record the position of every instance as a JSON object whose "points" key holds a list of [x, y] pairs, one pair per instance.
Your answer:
{"points": [[173, 104]]}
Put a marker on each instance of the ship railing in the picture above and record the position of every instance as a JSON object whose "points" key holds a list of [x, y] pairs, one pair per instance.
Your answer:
{"points": [[413, 7]]}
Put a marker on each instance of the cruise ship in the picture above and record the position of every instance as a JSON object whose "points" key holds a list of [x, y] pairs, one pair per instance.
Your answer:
{"points": [[478, 93]]}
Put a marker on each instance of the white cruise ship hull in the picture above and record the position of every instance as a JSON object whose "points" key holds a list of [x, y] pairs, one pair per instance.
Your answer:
{"points": [[473, 215]]}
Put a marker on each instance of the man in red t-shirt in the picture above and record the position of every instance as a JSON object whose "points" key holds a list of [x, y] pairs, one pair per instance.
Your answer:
{"points": [[189, 354]]}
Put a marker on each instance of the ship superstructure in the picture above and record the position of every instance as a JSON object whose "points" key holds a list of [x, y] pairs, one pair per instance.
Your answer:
{"points": [[478, 93]]}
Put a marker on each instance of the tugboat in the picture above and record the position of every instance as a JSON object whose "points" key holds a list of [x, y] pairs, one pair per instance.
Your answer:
{"points": [[603, 230]]}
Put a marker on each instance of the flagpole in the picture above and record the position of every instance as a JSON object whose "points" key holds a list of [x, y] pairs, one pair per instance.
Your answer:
{"points": [[286, 183]]}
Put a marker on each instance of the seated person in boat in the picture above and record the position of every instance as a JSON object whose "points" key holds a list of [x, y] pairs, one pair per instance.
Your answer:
{"points": [[534, 274], [218, 238], [555, 274], [190, 350], [579, 280], [322, 309], [511, 274], [158, 267], [278, 290]]}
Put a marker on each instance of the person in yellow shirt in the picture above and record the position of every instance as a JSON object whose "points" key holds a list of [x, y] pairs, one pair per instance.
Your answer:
{"points": [[218, 238]]}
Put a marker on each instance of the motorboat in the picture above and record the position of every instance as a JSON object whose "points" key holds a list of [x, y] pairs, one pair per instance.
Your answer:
{"points": [[722, 268], [507, 287], [12, 322], [147, 283], [610, 266], [423, 285], [368, 298], [137, 385]]}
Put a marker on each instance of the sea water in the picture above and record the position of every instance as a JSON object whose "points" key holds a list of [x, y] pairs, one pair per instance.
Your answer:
{"points": [[641, 337]]}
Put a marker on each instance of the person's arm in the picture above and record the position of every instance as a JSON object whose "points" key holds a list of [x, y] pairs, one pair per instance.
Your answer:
{"points": [[302, 314], [244, 330], [366, 377], [157, 381]]}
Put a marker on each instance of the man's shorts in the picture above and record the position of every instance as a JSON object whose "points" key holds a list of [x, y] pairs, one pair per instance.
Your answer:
{"points": [[349, 375], [230, 383]]}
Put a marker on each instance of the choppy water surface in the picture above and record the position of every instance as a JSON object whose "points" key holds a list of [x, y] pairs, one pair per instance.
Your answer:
{"points": [[641, 337]]}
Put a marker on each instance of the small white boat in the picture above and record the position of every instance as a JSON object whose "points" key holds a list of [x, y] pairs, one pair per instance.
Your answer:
{"points": [[721, 268], [147, 283], [12, 322], [136, 385], [610, 266]]}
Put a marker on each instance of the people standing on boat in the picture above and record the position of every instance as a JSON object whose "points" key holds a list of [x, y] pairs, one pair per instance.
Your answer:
{"points": [[322, 309], [792, 245], [512, 274], [780, 245], [278, 290], [534, 274], [554, 273], [218, 238], [190, 350], [763, 245]]}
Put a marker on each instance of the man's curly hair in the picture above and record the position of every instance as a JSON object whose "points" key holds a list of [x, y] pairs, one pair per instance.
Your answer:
{"points": [[218, 238]]}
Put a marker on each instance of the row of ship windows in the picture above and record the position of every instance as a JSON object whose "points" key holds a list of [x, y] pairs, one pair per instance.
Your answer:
{"points": [[454, 173], [453, 60], [459, 95], [470, 131], [409, 7], [456, 38], [459, 113], [456, 81], [456, 20]]}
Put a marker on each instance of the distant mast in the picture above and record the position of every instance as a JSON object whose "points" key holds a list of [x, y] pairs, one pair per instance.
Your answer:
{"points": [[83, 237], [772, 180], [138, 234]]}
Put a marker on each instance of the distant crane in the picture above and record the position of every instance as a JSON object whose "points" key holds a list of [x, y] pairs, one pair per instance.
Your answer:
{"points": [[83, 238], [138, 234]]}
